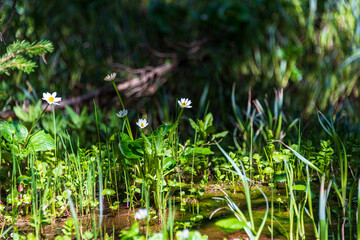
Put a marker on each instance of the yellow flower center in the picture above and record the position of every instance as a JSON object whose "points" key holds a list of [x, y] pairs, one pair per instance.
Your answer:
{"points": [[142, 124], [183, 104], [51, 99]]}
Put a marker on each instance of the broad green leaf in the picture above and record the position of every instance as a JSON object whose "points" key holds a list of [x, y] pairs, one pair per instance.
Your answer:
{"points": [[33, 112], [147, 145], [169, 163], [41, 141], [73, 116], [194, 125], [6, 131], [192, 235], [230, 224], [299, 187], [280, 177], [23, 179], [129, 148], [161, 130], [16, 129], [208, 121], [88, 235], [20, 113], [298, 155], [219, 135], [108, 192], [157, 236], [203, 151], [58, 171], [279, 157], [133, 232], [210, 130], [268, 170]]}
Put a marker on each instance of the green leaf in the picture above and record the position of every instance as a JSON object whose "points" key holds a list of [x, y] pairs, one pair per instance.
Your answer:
{"points": [[193, 235], [208, 121], [16, 129], [20, 113], [169, 163], [147, 145], [161, 130], [299, 187], [194, 125], [279, 157], [41, 141], [31, 115], [219, 135], [23, 179], [108, 192], [268, 170], [58, 171], [210, 130], [88, 235], [230, 224], [280, 178], [73, 117], [129, 148], [133, 232], [203, 151], [298, 155], [157, 236]]}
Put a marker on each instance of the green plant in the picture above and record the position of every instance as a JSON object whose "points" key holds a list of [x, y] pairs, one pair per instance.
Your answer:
{"points": [[16, 52]]}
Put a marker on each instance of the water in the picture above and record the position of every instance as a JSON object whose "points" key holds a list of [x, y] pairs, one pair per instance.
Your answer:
{"points": [[122, 219]]}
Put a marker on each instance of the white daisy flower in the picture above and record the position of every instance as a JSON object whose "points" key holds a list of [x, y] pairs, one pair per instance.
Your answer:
{"points": [[185, 234], [141, 214], [122, 113], [110, 77], [142, 123], [185, 103], [51, 98]]}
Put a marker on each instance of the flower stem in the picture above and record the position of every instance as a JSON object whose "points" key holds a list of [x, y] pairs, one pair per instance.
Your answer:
{"points": [[128, 128], [177, 120], [54, 119], [27, 137]]}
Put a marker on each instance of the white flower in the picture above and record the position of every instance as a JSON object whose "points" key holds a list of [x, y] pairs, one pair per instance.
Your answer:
{"points": [[142, 123], [185, 103], [185, 233], [141, 214], [15, 236], [122, 113], [110, 77], [51, 98]]}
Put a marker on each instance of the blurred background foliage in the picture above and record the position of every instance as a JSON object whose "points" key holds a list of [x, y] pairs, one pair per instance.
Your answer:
{"points": [[309, 48]]}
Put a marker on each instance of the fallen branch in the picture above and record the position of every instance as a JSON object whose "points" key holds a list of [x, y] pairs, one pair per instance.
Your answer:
{"points": [[146, 84]]}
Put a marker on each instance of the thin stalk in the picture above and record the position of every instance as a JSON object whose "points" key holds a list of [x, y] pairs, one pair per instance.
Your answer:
{"points": [[322, 213], [27, 137], [193, 160], [272, 205], [358, 213], [308, 189], [128, 128], [251, 146], [351, 214], [54, 121], [74, 215], [177, 120], [99, 162]]}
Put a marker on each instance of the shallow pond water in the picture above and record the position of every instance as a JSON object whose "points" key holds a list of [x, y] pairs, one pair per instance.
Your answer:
{"points": [[122, 219]]}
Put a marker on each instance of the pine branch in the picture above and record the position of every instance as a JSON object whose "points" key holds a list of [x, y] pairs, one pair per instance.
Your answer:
{"points": [[14, 57]]}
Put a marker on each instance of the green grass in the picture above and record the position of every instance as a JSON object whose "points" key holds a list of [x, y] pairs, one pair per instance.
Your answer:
{"points": [[53, 176]]}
